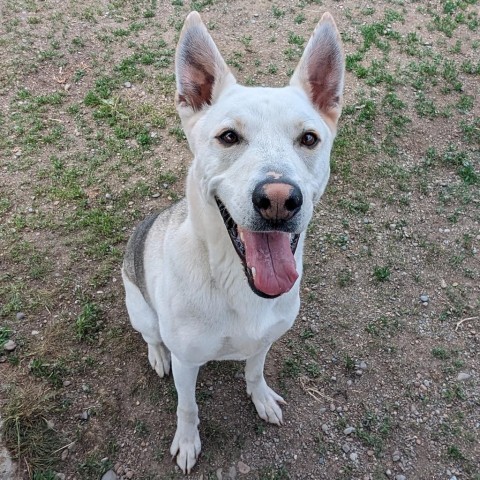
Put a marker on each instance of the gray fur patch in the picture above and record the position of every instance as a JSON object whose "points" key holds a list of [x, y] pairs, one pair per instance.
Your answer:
{"points": [[133, 262]]}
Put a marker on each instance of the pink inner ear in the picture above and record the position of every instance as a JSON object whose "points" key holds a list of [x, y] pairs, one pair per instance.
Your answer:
{"points": [[325, 76], [197, 85]]}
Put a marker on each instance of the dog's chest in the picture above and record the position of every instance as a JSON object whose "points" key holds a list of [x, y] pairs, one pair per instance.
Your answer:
{"points": [[230, 334]]}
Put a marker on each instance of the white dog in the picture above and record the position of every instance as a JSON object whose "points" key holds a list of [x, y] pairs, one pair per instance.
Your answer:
{"points": [[216, 276]]}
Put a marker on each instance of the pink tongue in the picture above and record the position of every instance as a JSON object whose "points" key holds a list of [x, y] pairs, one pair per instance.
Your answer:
{"points": [[271, 257]]}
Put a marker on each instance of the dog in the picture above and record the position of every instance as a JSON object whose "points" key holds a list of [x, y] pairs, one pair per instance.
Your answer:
{"points": [[216, 276]]}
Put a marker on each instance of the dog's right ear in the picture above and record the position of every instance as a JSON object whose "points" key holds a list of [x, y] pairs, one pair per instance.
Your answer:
{"points": [[201, 72]]}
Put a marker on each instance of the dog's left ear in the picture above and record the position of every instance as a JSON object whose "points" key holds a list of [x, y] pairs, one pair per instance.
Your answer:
{"points": [[200, 70], [320, 71]]}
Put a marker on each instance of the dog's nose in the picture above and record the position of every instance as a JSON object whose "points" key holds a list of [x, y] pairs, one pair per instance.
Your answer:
{"points": [[276, 200]]}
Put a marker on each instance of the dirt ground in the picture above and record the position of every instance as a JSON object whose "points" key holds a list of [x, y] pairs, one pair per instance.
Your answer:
{"points": [[381, 370]]}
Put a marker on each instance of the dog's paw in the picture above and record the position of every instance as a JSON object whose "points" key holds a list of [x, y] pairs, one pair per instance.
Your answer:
{"points": [[266, 402], [159, 358], [186, 446]]}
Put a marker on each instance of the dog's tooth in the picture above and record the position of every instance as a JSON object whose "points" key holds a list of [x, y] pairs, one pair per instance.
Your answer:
{"points": [[253, 272], [241, 236]]}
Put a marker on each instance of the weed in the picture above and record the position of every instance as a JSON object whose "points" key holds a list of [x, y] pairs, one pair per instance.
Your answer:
{"points": [[382, 274], [273, 473], [440, 353], [4, 336], [93, 467], [88, 322], [277, 12], [54, 372]]}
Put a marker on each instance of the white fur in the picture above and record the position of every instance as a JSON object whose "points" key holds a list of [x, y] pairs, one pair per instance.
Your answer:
{"points": [[200, 305]]}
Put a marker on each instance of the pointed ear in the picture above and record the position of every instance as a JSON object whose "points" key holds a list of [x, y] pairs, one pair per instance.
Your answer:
{"points": [[320, 71], [200, 70]]}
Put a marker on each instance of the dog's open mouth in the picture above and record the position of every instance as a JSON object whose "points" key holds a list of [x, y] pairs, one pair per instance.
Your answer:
{"points": [[267, 257]]}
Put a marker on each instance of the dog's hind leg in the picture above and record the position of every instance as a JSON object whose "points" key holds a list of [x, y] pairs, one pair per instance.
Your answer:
{"points": [[145, 321], [266, 401]]}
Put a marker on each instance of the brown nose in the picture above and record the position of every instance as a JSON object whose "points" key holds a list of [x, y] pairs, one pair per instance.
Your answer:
{"points": [[277, 201]]}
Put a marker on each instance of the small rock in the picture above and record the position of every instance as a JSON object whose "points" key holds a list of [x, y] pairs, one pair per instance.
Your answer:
{"points": [[400, 477], [127, 85], [443, 283], [108, 196], [155, 195], [67, 383], [325, 428], [110, 475], [370, 453], [60, 476], [396, 455], [219, 474], [424, 298], [129, 474], [35, 332], [359, 372], [453, 477], [243, 467], [363, 365], [20, 316], [346, 447], [64, 454], [10, 346], [3, 358], [354, 456], [462, 376], [83, 415], [349, 430], [232, 473]]}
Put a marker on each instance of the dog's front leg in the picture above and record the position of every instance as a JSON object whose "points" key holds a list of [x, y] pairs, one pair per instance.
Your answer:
{"points": [[186, 443], [266, 401]]}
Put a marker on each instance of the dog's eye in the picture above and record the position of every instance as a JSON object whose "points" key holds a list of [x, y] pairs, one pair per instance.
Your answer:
{"points": [[309, 139], [229, 137]]}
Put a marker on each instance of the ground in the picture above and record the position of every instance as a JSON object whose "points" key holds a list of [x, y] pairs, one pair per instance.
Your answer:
{"points": [[381, 371]]}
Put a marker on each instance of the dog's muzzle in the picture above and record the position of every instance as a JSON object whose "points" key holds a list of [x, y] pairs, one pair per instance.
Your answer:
{"points": [[267, 256]]}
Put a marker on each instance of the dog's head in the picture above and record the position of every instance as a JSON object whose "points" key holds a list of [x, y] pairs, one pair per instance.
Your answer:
{"points": [[261, 154]]}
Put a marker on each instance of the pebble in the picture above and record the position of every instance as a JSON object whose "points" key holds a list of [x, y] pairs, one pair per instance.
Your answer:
{"points": [[370, 453], [110, 475], [67, 383], [359, 372], [10, 346], [219, 474], [462, 376], [20, 316], [83, 415], [108, 196], [354, 456], [243, 467], [443, 283], [325, 428], [60, 476], [396, 455], [155, 195], [424, 298], [35, 332], [363, 365], [349, 430], [64, 454], [346, 447], [400, 477], [232, 473], [127, 85]]}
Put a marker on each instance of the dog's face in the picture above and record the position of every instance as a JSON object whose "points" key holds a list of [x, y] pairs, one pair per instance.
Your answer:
{"points": [[261, 154]]}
